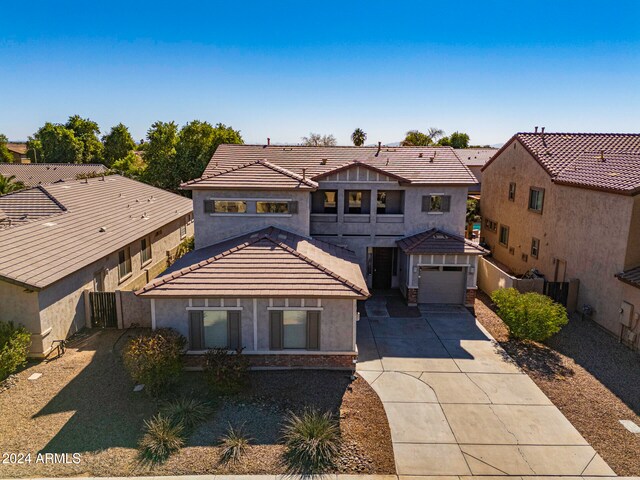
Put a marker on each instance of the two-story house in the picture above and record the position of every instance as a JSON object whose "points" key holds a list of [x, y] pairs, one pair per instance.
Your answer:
{"points": [[288, 238], [567, 204]]}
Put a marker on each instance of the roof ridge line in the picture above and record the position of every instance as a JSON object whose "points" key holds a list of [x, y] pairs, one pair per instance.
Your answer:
{"points": [[286, 172], [356, 162], [51, 197]]}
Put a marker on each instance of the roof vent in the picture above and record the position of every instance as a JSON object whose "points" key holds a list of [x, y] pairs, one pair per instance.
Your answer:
{"points": [[379, 148], [420, 155], [535, 129], [602, 156], [268, 141], [542, 131], [323, 161], [102, 229]]}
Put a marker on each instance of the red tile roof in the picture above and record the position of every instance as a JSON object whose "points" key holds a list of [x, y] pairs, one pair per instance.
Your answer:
{"points": [[572, 158], [268, 263], [437, 241], [260, 174], [418, 165]]}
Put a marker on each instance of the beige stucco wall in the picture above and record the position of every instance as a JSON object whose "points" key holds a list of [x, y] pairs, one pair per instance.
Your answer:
{"points": [[587, 229], [61, 305], [336, 319]]}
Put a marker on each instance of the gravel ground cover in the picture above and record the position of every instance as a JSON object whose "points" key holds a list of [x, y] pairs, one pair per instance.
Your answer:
{"points": [[589, 376], [84, 403]]}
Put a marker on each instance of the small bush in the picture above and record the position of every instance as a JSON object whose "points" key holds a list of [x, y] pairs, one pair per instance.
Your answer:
{"points": [[155, 360], [312, 441], [187, 412], [226, 372], [162, 438], [234, 444], [14, 347], [530, 316]]}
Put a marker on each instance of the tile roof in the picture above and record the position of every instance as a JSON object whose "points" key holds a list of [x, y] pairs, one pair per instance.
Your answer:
{"points": [[475, 157], [571, 158], [267, 263], [28, 205], [32, 174], [418, 165], [41, 252], [436, 241], [259, 174], [20, 148], [632, 276]]}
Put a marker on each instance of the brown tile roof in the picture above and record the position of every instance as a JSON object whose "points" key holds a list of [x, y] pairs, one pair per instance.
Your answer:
{"points": [[475, 157], [357, 163], [436, 241], [41, 252], [259, 174], [32, 174], [632, 277], [28, 205], [267, 263], [418, 165], [20, 148], [569, 158]]}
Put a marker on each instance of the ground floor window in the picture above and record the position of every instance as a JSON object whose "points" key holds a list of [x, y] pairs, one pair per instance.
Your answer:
{"points": [[294, 329], [124, 263], [214, 329]]}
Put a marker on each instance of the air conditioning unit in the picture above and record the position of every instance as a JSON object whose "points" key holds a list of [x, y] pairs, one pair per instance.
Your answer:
{"points": [[626, 314]]}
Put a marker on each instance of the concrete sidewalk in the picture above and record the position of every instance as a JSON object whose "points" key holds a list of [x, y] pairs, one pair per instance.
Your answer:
{"points": [[458, 405]]}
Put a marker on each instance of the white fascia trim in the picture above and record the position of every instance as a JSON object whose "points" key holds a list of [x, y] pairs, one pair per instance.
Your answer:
{"points": [[295, 308], [250, 214], [214, 308], [278, 352], [245, 199]]}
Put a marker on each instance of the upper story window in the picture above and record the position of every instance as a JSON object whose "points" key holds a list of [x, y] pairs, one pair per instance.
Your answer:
{"points": [[504, 235], [491, 225], [183, 227], [512, 191], [357, 201], [124, 263], [324, 201], [272, 207], [229, 206], [436, 203], [536, 199], [390, 202], [535, 247], [145, 250]]}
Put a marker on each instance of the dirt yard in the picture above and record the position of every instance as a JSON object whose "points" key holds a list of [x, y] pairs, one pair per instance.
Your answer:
{"points": [[589, 376], [84, 403]]}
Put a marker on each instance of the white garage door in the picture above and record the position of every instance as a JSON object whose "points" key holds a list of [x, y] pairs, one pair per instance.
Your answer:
{"points": [[441, 285]]}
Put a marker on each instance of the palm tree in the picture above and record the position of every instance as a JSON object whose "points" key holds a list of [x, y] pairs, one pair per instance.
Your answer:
{"points": [[9, 184], [434, 133], [358, 137]]}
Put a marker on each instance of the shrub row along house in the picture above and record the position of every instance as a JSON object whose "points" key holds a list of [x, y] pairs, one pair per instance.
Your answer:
{"points": [[288, 238], [60, 239], [568, 204]]}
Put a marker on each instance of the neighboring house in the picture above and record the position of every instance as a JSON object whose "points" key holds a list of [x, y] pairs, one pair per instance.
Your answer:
{"points": [[19, 152], [475, 159], [98, 234], [32, 174], [288, 238], [567, 204]]}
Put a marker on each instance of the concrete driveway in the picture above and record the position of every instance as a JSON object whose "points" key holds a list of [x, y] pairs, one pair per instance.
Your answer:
{"points": [[458, 405]]}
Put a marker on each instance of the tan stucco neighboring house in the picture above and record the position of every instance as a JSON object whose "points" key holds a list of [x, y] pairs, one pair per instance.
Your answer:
{"points": [[100, 234], [568, 205], [288, 238], [19, 152]]}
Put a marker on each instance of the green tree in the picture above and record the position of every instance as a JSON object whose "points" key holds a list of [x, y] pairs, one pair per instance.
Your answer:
{"points": [[87, 132], [317, 140], [473, 215], [197, 142], [55, 143], [160, 155], [9, 184], [118, 143], [358, 137], [132, 165], [5, 154], [434, 133], [415, 138], [455, 140]]}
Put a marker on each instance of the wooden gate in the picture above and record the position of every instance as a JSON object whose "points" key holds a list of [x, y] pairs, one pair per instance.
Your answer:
{"points": [[558, 291], [103, 309]]}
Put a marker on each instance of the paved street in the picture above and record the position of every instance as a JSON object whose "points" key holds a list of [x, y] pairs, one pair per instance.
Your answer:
{"points": [[458, 405]]}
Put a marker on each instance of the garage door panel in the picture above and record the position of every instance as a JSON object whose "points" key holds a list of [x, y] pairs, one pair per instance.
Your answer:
{"points": [[441, 285]]}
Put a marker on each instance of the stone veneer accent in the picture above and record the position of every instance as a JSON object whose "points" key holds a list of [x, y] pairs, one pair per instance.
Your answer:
{"points": [[470, 297], [412, 297], [287, 361]]}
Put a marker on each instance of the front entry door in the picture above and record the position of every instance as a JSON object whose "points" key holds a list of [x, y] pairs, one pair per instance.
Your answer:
{"points": [[382, 267]]}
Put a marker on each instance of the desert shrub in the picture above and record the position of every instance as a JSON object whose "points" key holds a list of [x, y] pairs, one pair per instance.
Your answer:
{"points": [[530, 316], [187, 412], [155, 360], [14, 347], [234, 444], [312, 441], [226, 372], [162, 437]]}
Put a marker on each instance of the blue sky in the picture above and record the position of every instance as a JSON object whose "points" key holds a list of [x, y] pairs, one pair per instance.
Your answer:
{"points": [[282, 68]]}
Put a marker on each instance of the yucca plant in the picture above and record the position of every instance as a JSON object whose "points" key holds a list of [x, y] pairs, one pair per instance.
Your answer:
{"points": [[188, 412], [234, 444], [162, 438], [312, 441]]}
